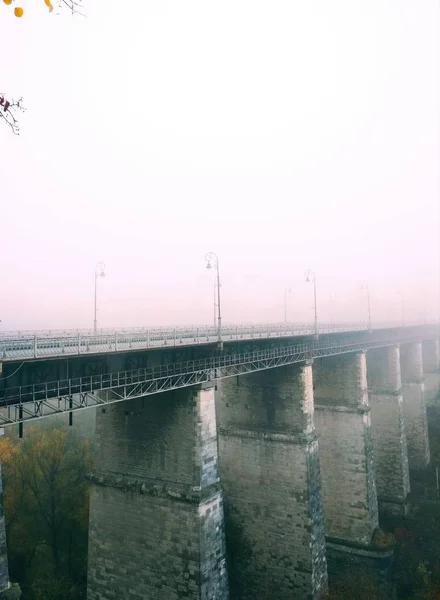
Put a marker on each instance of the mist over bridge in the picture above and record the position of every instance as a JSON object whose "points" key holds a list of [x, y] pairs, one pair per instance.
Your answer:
{"points": [[306, 439]]}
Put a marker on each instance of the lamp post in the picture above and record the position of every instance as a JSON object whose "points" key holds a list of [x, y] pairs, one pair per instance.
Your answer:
{"points": [[99, 272], [215, 303], [286, 291], [366, 289], [212, 262], [310, 276]]}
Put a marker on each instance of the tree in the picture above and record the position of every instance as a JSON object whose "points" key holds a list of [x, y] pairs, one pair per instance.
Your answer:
{"points": [[356, 583], [46, 502]]}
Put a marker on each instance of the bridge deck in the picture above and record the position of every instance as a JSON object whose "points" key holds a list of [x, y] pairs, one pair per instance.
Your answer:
{"points": [[29, 402], [41, 345]]}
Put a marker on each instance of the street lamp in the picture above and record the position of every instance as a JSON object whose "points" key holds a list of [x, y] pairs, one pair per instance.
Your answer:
{"points": [[215, 303], [366, 289], [310, 276], [286, 291], [99, 272], [212, 262]]}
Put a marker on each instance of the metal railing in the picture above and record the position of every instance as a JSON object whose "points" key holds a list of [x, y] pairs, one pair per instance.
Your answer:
{"points": [[73, 342], [41, 346], [44, 399]]}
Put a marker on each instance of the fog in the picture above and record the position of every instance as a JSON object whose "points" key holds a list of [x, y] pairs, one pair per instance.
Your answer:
{"points": [[284, 136]]}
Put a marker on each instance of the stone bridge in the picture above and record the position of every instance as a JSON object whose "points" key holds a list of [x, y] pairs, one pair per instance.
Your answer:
{"points": [[257, 464]]}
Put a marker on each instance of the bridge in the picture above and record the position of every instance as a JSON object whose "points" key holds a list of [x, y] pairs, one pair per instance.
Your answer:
{"points": [[287, 444]]}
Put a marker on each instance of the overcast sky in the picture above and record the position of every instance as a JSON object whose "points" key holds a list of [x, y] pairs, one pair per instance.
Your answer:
{"points": [[283, 135]]}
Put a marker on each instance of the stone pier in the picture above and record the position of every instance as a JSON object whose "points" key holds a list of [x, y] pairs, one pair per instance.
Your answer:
{"points": [[388, 429], [343, 425], [8, 591], [269, 466], [431, 371], [156, 513], [414, 408]]}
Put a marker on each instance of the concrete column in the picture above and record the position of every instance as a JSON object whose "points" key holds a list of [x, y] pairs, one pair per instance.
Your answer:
{"points": [[388, 429], [414, 408], [345, 447], [431, 371], [270, 470], [156, 514]]}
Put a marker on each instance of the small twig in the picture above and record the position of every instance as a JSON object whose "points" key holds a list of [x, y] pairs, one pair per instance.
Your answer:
{"points": [[74, 5], [8, 114]]}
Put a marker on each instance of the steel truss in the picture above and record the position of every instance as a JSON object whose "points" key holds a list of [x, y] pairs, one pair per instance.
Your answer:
{"points": [[30, 402]]}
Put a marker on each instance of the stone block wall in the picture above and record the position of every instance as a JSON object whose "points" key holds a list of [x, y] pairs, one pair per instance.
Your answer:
{"points": [[414, 407], [4, 573], [343, 425], [269, 465], [388, 429], [274, 400], [156, 516], [155, 546], [431, 370]]}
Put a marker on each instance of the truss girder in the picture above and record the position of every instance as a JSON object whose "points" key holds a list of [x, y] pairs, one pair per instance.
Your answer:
{"points": [[43, 400]]}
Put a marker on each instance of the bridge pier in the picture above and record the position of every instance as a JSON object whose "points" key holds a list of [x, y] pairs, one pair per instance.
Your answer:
{"points": [[8, 591], [388, 429], [414, 407], [270, 470], [156, 514], [431, 370], [343, 426]]}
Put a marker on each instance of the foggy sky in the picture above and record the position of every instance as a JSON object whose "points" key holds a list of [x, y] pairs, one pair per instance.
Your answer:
{"points": [[283, 135]]}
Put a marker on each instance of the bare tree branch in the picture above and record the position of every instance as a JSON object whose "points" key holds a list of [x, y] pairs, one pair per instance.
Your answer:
{"points": [[8, 109], [75, 6]]}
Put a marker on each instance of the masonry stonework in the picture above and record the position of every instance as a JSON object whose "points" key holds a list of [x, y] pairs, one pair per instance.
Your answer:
{"points": [[4, 573], [156, 514], [269, 465], [343, 426], [431, 371], [388, 429], [414, 407]]}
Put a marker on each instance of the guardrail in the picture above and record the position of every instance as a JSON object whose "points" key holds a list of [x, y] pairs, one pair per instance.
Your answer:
{"points": [[32, 347], [56, 333]]}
